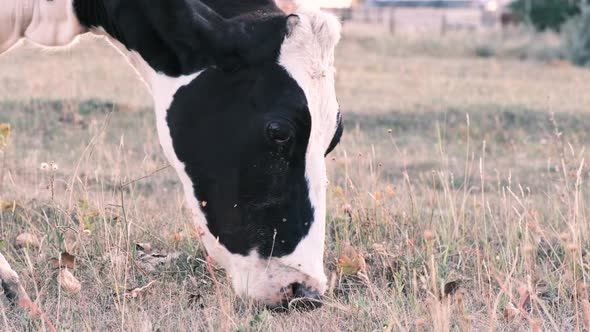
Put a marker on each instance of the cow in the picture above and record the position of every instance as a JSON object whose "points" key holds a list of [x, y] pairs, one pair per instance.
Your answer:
{"points": [[246, 113]]}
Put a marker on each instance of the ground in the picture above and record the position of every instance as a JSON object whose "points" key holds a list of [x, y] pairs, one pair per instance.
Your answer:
{"points": [[458, 198]]}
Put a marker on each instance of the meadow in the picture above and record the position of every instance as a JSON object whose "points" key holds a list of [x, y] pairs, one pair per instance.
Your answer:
{"points": [[458, 198]]}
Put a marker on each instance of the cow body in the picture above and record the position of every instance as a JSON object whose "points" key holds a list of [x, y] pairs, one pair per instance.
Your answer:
{"points": [[246, 112], [45, 23]]}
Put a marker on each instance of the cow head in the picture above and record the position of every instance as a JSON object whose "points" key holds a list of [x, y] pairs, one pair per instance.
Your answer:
{"points": [[250, 145]]}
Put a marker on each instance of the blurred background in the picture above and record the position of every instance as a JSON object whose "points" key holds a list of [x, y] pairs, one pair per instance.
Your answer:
{"points": [[458, 198]]}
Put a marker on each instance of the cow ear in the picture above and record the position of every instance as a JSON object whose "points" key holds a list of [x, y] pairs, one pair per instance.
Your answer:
{"points": [[292, 22], [180, 20], [195, 31]]}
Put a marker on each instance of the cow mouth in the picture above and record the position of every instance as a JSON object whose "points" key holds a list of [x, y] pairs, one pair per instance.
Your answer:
{"points": [[297, 296]]}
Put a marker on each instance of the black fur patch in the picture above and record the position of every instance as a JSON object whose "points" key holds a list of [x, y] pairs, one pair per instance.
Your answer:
{"points": [[255, 187], [181, 37]]}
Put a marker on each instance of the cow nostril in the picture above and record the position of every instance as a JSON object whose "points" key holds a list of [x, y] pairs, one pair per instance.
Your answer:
{"points": [[297, 296], [304, 298], [300, 291]]}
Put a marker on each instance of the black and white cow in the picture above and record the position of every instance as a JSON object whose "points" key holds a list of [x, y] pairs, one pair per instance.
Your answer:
{"points": [[246, 112]]}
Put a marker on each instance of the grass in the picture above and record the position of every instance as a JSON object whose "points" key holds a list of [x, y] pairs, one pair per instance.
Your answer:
{"points": [[458, 198]]}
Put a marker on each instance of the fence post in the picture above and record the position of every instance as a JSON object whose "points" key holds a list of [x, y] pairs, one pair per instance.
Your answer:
{"points": [[347, 13], [443, 24], [389, 20]]}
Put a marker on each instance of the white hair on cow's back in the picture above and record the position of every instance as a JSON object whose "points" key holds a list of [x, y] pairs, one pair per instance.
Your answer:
{"points": [[46, 23]]}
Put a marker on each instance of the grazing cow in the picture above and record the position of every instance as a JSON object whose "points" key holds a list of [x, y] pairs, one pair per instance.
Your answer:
{"points": [[246, 113]]}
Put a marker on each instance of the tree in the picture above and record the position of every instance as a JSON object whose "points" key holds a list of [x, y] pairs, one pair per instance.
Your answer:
{"points": [[547, 14]]}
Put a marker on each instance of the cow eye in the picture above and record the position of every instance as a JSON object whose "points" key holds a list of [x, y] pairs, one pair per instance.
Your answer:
{"points": [[278, 132]]}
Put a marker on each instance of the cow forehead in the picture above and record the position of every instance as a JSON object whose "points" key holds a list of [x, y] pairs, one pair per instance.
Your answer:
{"points": [[308, 56], [308, 52], [266, 86]]}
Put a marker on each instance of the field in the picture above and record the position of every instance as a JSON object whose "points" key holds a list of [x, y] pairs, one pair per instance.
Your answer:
{"points": [[458, 199]]}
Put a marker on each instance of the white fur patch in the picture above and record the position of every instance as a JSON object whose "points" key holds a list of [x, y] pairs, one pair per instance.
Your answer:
{"points": [[308, 56], [15, 17], [47, 23]]}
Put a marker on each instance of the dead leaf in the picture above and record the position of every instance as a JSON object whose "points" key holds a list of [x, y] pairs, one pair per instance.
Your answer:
{"points": [[68, 282], [377, 196], [4, 134], [177, 237], [66, 260], [351, 262], [428, 235], [9, 205], [390, 192], [27, 240], [5, 130]]}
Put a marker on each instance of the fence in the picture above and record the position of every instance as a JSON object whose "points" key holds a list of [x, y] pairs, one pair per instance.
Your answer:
{"points": [[426, 20]]}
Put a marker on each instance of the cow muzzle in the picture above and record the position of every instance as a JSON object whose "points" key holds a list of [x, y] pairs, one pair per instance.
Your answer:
{"points": [[298, 296], [277, 284]]}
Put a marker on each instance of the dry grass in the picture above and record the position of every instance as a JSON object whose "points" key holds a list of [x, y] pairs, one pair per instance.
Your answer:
{"points": [[459, 197]]}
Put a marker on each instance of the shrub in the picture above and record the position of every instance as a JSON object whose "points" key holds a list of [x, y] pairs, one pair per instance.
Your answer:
{"points": [[485, 51], [576, 39], [546, 14]]}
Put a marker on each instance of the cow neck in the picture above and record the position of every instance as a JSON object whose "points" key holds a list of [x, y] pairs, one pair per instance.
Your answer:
{"points": [[124, 21]]}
